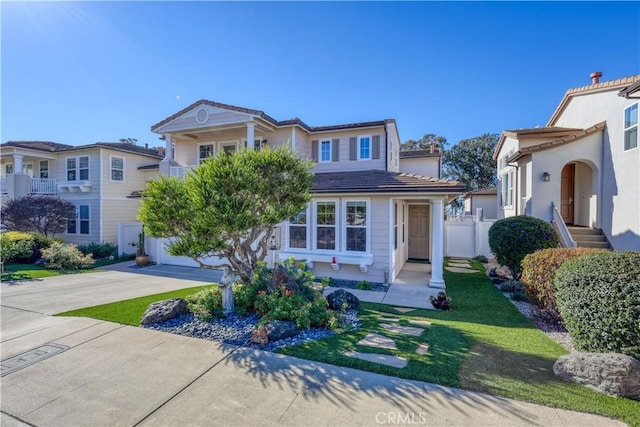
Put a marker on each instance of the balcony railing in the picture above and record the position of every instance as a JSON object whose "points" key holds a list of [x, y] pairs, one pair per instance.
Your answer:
{"points": [[3, 185], [180, 171], [43, 186]]}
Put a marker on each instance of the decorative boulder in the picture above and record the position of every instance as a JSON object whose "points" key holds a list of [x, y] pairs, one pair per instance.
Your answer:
{"points": [[610, 373], [259, 336], [339, 299], [279, 329], [282, 276], [163, 310]]}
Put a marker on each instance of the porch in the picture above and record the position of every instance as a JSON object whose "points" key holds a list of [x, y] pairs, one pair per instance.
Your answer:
{"points": [[22, 185]]}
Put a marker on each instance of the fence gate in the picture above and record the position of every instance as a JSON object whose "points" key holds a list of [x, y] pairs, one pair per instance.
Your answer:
{"points": [[128, 237], [466, 236]]}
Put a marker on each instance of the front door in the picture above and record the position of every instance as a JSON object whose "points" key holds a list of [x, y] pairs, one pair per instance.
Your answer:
{"points": [[567, 193], [418, 232]]}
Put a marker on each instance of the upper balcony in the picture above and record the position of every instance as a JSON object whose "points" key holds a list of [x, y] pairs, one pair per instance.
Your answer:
{"points": [[26, 185]]}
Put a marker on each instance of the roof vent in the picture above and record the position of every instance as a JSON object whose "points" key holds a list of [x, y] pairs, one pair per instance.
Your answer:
{"points": [[595, 77]]}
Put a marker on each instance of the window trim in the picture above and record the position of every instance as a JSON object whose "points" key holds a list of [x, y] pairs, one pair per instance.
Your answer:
{"points": [[40, 170], [508, 194], [337, 239], [344, 225], [200, 144], [358, 156], [77, 168], [626, 129], [111, 168], [320, 142], [308, 227], [8, 166], [228, 143], [78, 221], [256, 138]]}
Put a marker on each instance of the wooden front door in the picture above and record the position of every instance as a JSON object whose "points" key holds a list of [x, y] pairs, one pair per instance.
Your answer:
{"points": [[567, 193], [418, 232]]}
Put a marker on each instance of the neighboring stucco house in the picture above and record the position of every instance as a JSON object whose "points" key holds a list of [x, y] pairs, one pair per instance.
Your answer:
{"points": [[582, 169], [98, 178], [484, 199], [366, 214]]}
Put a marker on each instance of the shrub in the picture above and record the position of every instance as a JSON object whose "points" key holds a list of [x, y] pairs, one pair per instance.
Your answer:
{"points": [[511, 286], [29, 245], [66, 256], [206, 303], [519, 296], [364, 285], [100, 250], [481, 258], [282, 304], [11, 249], [511, 239], [598, 297], [538, 271]]}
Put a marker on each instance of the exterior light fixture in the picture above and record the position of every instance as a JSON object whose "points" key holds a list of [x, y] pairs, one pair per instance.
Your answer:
{"points": [[546, 177]]}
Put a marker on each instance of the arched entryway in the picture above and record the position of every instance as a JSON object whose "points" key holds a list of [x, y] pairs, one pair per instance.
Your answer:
{"points": [[579, 195]]}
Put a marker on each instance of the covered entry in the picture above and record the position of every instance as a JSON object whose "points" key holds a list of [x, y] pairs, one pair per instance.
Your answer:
{"points": [[418, 235], [578, 194]]}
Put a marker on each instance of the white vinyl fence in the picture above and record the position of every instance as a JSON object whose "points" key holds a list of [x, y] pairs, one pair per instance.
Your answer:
{"points": [[466, 236]]}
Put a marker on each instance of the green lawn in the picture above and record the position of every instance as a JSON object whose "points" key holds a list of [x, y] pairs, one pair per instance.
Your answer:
{"points": [[484, 344], [128, 312], [32, 271]]}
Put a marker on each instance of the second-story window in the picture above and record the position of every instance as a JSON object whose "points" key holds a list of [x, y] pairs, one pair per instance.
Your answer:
{"points": [[117, 169], [325, 151], [78, 168], [631, 127], [44, 169], [364, 148], [8, 169]]}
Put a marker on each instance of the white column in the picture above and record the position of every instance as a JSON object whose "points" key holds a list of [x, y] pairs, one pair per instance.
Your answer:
{"points": [[17, 164], [168, 147], [437, 257], [251, 136]]}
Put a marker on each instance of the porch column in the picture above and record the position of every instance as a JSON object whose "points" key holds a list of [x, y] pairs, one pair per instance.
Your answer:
{"points": [[251, 136], [437, 256], [17, 164], [168, 147]]}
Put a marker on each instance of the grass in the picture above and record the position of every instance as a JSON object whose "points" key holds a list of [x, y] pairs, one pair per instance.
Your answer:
{"points": [[32, 271], [128, 312], [484, 344]]}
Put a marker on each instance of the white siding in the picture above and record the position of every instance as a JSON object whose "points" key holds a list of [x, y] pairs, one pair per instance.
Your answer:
{"points": [[425, 166], [351, 165]]}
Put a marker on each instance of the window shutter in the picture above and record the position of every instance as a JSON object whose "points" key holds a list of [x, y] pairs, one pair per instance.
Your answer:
{"points": [[314, 150], [353, 148], [335, 148], [375, 149]]}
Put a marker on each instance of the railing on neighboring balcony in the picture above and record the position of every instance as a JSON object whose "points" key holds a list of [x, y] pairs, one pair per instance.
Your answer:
{"points": [[43, 186], [3, 185], [561, 228]]}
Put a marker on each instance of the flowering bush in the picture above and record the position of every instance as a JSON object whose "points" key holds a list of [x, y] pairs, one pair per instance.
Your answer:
{"points": [[283, 304], [66, 256], [206, 303]]}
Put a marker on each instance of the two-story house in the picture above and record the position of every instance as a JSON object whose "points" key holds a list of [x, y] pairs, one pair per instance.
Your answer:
{"points": [[367, 216], [98, 178], [582, 170]]}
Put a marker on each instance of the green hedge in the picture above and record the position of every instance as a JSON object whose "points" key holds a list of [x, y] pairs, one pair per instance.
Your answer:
{"points": [[599, 299]]}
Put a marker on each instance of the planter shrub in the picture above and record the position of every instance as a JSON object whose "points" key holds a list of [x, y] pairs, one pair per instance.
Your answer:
{"points": [[511, 239], [100, 250], [598, 296], [66, 257], [538, 271]]}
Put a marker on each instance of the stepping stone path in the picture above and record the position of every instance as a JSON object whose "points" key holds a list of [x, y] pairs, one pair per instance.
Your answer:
{"points": [[423, 348], [388, 319], [407, 330], [383, 359], [378, 341], [460, 266], [460, 270], [420, 322], [404, 309]]}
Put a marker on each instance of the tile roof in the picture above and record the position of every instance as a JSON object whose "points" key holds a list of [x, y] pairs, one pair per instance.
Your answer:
{"points": [[549, 131], [290, 122], [54, 147], [482, 192], [379, 181], [419, 153], [630, 90], [149, 167], [557, 142], [592, 88]]}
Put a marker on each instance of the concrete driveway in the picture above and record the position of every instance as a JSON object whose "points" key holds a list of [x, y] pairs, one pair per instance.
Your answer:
{"points": [[106, 374]]}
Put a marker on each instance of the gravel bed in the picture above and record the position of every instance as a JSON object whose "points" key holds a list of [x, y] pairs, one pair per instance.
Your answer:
{"points": [[236, 330], [353, 284]]}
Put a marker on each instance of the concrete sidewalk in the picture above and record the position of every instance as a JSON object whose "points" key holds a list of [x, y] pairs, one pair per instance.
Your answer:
{"points": [[114, 375]]}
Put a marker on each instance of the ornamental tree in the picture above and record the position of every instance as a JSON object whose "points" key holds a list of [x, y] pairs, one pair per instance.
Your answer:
{"points": [[45, 214], [227, 207]]}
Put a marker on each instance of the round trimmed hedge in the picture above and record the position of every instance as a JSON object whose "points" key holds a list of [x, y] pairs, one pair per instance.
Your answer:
{"points": [[599, 299], [513, 238]]}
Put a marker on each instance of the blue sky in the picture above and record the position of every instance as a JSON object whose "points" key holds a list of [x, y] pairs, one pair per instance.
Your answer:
{"points": [[82, 72]]}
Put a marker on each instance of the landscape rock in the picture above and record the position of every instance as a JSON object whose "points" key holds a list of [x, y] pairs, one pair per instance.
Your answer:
{"points": [[503, 272], [337, 299], [163, 310], [610, 373], [259, 336], [282, 276], [280, 329]]}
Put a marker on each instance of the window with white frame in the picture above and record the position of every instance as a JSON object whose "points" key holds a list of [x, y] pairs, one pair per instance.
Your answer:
{"points": [[44, 169], [257, 144], [117, 169], [298, 231], [80, 224], [507, 189], [325, 151], [631, 127], [228, 147], [356, 223], [204, 151], [78, 168], [364, 148], [326, 225], [8, 169]]}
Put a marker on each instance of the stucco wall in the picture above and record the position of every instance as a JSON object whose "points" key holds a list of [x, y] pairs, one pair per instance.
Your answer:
{"points": [[426, 166]]}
